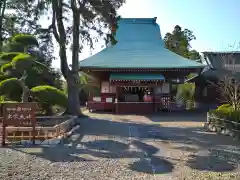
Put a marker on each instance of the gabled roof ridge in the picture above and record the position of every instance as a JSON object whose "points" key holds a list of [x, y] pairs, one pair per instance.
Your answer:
{"points": [[139, 20]]}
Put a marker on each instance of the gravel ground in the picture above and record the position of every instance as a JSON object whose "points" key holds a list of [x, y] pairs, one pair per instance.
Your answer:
{"points": [[110, 147]]}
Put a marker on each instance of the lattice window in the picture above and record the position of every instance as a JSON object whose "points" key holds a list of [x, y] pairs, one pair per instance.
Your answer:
{"points": [[166, 102], [230, 64]]}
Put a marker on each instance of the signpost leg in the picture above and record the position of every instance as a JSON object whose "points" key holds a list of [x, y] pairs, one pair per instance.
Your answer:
{"points": [[3, 135], [33, 134]]}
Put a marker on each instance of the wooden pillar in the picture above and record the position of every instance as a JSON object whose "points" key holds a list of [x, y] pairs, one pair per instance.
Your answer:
{"points": [[154, 99], [170, 91], [116, 100]]}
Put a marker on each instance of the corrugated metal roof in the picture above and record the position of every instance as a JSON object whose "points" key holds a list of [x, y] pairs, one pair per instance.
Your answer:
{"points": [[140, 45]]}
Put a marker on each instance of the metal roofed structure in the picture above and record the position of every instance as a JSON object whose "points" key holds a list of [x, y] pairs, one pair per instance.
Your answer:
{"points": [[140, 45], [136, 74]]}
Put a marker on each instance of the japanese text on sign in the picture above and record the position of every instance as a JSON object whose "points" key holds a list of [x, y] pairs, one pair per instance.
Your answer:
{"points": [[19, 113]]}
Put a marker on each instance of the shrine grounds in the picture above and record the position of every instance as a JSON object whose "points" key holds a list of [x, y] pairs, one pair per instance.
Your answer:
{"points": [[167, 146]]}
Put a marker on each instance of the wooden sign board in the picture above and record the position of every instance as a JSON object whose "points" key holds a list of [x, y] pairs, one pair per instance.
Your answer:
{"points": [[19, 115]]}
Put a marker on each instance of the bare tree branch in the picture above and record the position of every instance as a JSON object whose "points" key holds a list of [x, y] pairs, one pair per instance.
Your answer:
{"points": [[229, 85]]}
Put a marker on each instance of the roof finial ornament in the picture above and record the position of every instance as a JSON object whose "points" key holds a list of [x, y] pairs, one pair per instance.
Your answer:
{"points": [[154, 19]]}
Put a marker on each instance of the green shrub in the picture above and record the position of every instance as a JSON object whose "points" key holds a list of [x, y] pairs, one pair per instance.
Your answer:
{"points": [[7, 57], [14, 47], [185, 92], [2, 102], [25, 39], [6, 67], [225, 108], [22, 61], [226, 113], [235, 116], [225, 119], [11, 89], [8, 84], [9, 70], [3, 77], [48, 95]]}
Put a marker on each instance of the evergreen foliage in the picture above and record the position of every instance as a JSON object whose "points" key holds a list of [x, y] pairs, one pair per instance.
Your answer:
{"points": [[24, 78]]}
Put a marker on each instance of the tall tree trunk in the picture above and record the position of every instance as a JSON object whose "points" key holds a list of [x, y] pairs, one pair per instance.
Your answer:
{"points": [[25, 91], [25, 94], [48, 109], [3, 4], [73, 105], [71, 76]]}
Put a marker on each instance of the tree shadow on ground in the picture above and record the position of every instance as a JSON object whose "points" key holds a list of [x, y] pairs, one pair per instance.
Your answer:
{"points": [[192, 139], [107, 145], [211, 163], [114, 149], [184, 116], [158, 166], [107, 149]]}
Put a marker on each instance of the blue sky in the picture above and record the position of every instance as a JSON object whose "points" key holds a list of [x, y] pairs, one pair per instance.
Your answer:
{"points": [[215, 23]]}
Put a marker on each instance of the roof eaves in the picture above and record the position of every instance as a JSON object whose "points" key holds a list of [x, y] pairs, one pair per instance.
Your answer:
{"points": [[120, 67], [221, 52]]}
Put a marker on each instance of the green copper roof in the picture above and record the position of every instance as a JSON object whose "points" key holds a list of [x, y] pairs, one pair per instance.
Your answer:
{"points": [[140, 45], [125, 76]]}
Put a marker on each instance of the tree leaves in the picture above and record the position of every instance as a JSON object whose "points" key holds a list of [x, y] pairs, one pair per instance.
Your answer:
{"points": [[7, 57], [88, 18], [21, 17], [26, 40], [179, 42]]}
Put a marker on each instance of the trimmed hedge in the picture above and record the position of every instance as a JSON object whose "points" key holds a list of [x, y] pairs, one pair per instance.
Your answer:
{"points": [[6, 67], [48, 95], [225, 108], [216, 120], [9, 56], [3, 77], [11, 89], [22, 61], [8, 84], [25, 39], [225, 116]]}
